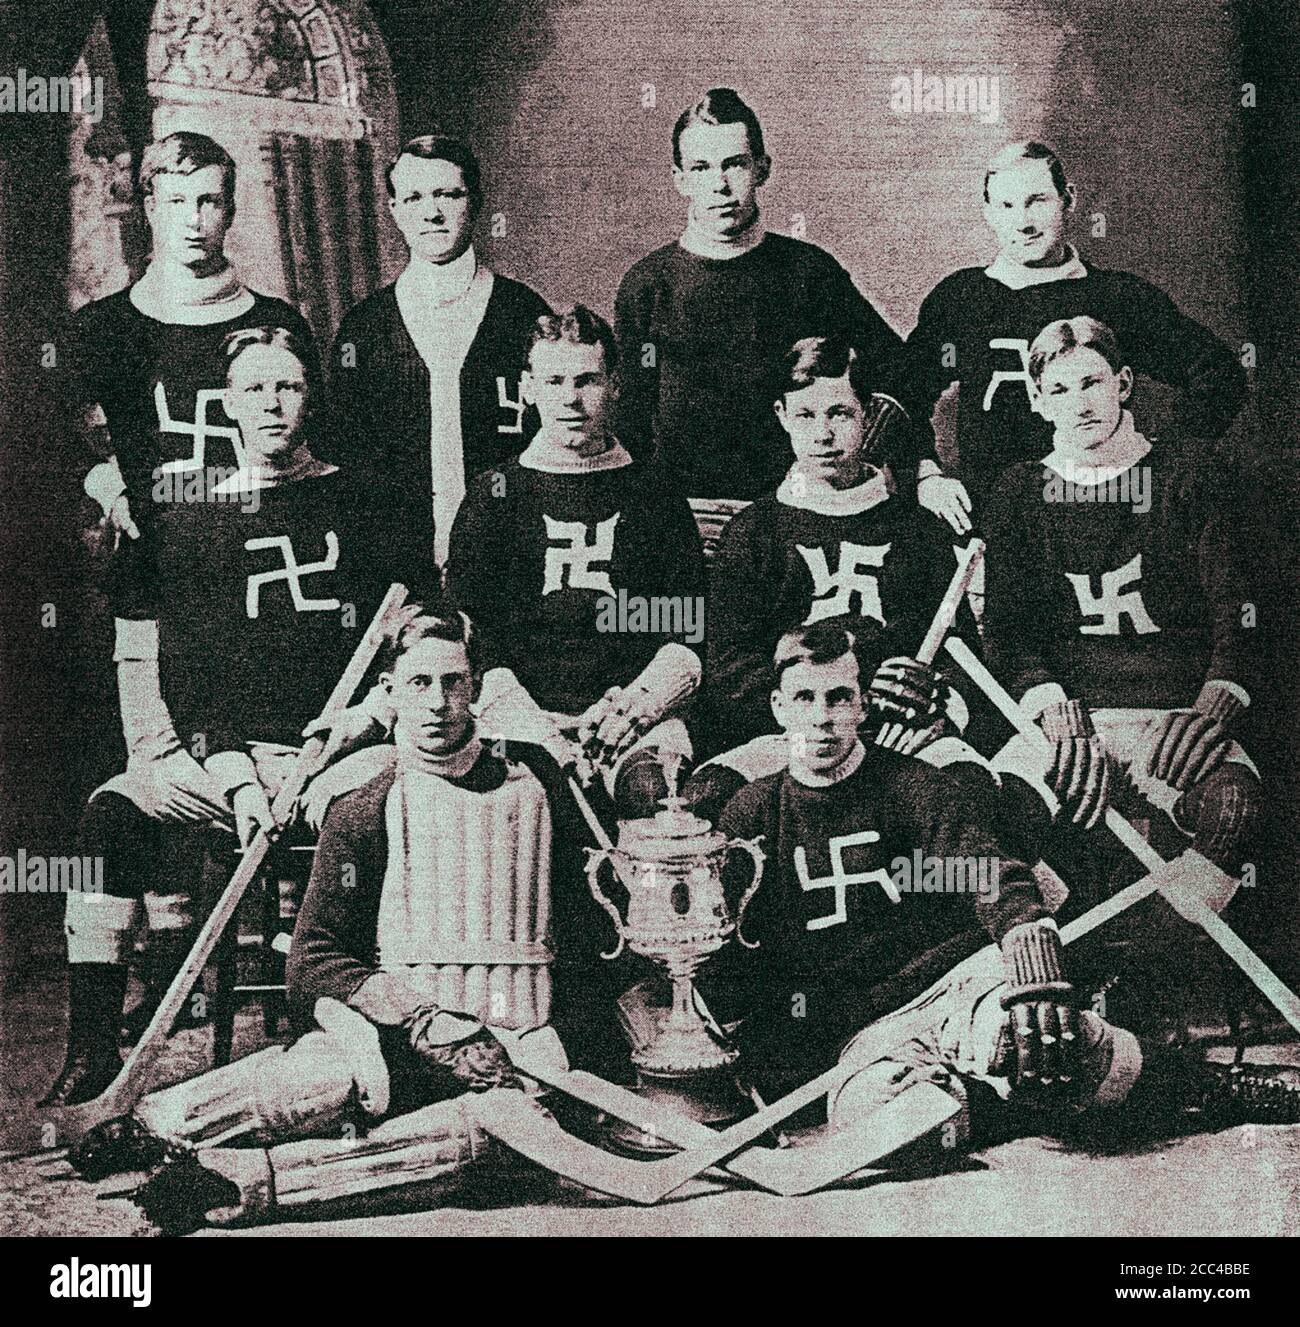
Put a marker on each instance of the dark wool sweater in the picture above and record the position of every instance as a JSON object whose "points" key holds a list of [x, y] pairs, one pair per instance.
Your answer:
{"points": [[968, 311], [239, 660], [535, 555], [379, 414], [700, 347], [334, 940], [121, 356], [1153, 631], [850, 951], [893, 561]]}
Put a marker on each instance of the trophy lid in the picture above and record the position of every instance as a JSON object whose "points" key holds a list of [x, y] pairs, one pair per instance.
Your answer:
{"points": [[673, 832]]}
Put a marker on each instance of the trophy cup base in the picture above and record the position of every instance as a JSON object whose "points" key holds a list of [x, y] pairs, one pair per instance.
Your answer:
{"points": [[712, 1097]]}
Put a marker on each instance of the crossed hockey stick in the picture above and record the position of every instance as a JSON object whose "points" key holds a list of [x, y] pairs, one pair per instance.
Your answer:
{"points": [[909, 1116], [70, 1122]]}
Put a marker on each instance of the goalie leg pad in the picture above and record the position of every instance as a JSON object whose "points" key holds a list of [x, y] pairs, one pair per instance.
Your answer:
{"points": [[327, 1079]]}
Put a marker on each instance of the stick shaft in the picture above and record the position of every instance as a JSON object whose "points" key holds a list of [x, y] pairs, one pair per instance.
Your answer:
{"points": [[124, 1091], [968, 562]]}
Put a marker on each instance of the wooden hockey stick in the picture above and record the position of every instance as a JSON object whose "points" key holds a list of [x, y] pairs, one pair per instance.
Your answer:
{"points": [[968, 561], [128, 1087], [1190, 906]]}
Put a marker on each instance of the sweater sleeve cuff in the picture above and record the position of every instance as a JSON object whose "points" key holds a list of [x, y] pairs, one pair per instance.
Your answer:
{"points": [[134, 640], [231, 770], [1222, 700], [104, 483], [927, 469], [1038, 698]]}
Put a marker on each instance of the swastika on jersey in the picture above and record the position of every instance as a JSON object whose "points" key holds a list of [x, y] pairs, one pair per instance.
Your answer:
{"points": [[833, 592], [291, 571], [1000, 376], [572, 552], [1110, 605], [839, 879], [198, 429]]}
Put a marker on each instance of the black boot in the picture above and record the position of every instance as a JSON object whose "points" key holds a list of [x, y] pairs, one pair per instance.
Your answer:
{"points": [[118, 1145], [95, 995], [164, 953]]}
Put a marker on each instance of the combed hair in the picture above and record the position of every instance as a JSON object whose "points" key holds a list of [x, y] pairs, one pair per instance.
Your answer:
{"points": [[719, 106], [1029, 150], [579, 326], [442, 147], [816, 357], [280, 337], [821, 643], [1066, 334], [416, 622], [183, 154]]}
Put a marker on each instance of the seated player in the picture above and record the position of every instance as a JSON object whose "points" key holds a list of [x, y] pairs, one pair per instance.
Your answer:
{"points": [[234, 621], [584, 577], [834, 543], [1114, 606], [848, 930], [446, 914]]}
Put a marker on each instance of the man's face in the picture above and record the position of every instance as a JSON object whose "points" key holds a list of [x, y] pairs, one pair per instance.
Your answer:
{"points": [[825, 424], [432, 208], [189, 216], [720, 176], [1027, 214], [266, 396], [431, 689], [819, 708], [1082, 397], [572, 390]]}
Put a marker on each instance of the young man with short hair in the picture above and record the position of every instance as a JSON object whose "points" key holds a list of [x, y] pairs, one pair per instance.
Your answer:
{"points": [[233, 622], [446, 917], [835, 542], [151, 356], [1115, 600], [424, 373], [585, 581], [883, 885], [704, 321], [975, 327]]}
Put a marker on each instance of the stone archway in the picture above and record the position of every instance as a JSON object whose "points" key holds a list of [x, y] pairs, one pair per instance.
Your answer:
{"points": [[300, 92]]}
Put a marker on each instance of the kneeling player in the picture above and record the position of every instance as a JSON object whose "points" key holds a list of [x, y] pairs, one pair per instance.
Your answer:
{"points": [[445, 914], [585, 578], [1114, 606], [882, 889], [834, 543], [235, 616]]}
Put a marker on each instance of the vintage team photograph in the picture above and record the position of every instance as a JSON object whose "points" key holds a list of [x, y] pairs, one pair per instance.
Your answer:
{"points": [[650, 620]]}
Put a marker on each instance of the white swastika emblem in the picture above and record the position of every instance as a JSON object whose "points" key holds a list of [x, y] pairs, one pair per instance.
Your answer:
{"points": [[291, 572], [839, 879], [833, 593], [1111, 605], [200, 429], [1021, 347], [574, 553], [504, 401]]}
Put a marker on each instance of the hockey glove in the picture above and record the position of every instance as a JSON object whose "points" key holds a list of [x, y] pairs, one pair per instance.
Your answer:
{"points": [[1043, 1023], [1195, 743], [1079, 771]]}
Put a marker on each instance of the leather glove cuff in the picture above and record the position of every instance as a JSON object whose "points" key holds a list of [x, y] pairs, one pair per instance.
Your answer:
{"points": [[1217, 703], [1065, 720], [1031, 955]]}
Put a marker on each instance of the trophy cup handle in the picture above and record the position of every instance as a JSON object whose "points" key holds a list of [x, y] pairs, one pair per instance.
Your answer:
{"points": [[759, 858], [596, 857]]}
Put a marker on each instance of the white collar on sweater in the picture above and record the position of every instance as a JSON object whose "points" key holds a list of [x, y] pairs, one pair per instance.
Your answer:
{"points": [[249, 478], [440, 284], [705, 245], [1120, 452], [544, 456], [797, 490], [837, 775], [1016, 276], [170, 293], [454, 765]]}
